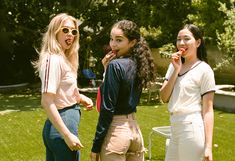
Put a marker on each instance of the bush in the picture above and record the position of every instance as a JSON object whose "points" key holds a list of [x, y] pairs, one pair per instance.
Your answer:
{"points": [[226, 40]]}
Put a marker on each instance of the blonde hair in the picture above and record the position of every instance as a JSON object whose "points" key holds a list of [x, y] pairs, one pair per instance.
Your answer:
{"points": [[52, 46]]}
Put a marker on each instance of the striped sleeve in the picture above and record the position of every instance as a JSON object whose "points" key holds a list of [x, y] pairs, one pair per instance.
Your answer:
{"points": [[207, 81], [50, 74]]}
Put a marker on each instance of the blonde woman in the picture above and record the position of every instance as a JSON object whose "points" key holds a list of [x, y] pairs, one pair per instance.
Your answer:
{"points": [[57, 67]]}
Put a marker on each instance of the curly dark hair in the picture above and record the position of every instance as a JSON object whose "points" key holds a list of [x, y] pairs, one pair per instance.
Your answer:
{"points": [[140, 53]]}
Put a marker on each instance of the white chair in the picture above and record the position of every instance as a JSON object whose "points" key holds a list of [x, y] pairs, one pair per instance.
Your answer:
{"points": [[153, 91], [154, 88], [164, 131]]}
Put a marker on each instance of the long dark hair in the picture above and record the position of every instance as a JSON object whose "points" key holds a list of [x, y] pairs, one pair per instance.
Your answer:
{"points": [[140, 53], [197, 34]]}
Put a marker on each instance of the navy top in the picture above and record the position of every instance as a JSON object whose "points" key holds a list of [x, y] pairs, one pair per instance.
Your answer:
{"points": [[120, 95]]}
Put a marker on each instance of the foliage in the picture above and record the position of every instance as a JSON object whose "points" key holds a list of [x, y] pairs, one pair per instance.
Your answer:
{"points": [[22, 25], [169, 15], [23, 22], [206, 15], [166, 50], [226, 39], [153, 17]]}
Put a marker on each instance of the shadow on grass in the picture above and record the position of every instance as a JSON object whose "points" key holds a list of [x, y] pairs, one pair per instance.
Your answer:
{"points": [[28, 98], [22, 99]]}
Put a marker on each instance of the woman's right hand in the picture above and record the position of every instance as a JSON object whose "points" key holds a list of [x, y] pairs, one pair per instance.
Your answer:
{"points": [[176, 61], [107, 58], [73, 142]]}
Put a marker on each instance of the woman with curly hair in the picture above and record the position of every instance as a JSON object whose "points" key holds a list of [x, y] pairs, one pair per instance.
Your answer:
{"points": [[118, 136]]}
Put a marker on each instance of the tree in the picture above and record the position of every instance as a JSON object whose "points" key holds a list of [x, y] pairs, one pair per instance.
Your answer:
{"points": [[158, 15], [23, 22], [226, 39]]}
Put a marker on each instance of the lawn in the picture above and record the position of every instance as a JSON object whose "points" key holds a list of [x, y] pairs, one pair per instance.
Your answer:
{"points": [[20, 135]]}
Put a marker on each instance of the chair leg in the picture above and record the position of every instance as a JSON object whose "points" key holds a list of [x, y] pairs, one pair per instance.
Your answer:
{"points": [[167, 144], [150, 146], [149, 96]]}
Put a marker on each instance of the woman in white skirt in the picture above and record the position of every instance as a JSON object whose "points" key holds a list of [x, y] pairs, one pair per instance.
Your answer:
{"points": [[189, 87]]}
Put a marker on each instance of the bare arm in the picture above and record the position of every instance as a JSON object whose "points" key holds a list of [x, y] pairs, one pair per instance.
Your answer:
{"points": [[168, 85], [48, 104], [208, 118]]}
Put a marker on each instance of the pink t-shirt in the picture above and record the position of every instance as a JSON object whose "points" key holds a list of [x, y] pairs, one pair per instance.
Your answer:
{"points": [[57, 78]]}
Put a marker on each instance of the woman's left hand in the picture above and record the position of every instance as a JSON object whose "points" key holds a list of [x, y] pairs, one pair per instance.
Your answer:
{"points": [[86, 101], [208, 154], [95, 156]]}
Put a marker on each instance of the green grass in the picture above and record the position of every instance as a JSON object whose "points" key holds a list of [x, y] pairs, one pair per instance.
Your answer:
{"points": [[20, 135]]}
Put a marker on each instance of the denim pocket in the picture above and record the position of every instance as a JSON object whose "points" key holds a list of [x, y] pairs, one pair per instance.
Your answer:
{"points": [[71, 119]]}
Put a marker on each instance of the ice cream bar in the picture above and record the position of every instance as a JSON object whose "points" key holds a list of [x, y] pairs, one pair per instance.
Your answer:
{"points": [[114, 51], [181, 51]]}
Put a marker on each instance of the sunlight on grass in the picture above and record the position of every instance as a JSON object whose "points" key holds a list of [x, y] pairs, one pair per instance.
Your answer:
{"points": [[21, 140]]}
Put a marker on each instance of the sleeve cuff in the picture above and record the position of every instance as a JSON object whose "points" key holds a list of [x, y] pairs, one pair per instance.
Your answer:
{"points": [[96, 149]]}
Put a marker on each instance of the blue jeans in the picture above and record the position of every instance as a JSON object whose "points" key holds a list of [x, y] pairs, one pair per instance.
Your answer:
{"points": [[56, 148]]}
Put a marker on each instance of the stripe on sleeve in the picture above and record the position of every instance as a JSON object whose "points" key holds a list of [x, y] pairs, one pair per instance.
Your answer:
{"points": [[47, 71]]}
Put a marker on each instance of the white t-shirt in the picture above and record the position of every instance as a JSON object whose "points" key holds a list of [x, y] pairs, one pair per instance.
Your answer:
{"points": [[189, 88], [57, 78]]}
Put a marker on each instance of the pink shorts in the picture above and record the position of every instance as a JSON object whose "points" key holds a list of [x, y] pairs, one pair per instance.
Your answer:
{"points": [[124, 141]]}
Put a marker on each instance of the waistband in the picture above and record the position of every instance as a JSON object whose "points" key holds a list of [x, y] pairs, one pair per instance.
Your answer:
{"points": [[186, 117], [75, 106], [184, 113], [130, 116]]}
